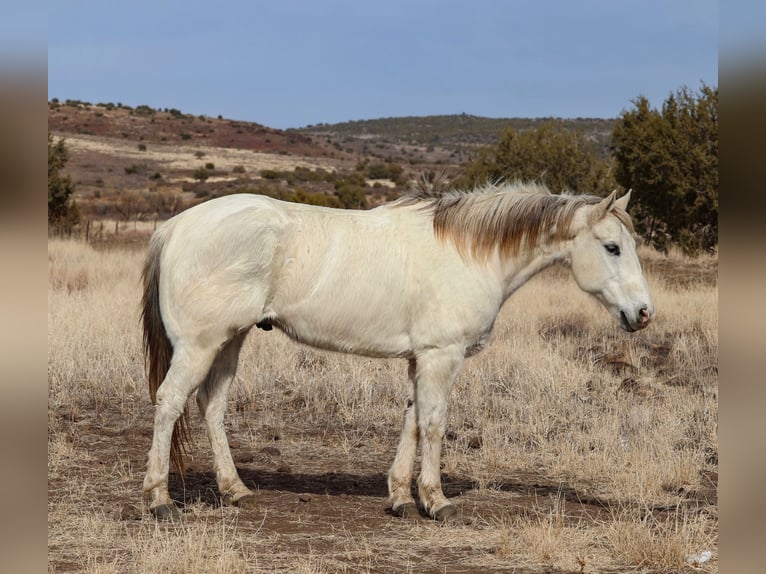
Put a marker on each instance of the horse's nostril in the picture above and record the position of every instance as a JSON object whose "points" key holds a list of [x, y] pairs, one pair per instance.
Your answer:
{"points": [[644, 314]]}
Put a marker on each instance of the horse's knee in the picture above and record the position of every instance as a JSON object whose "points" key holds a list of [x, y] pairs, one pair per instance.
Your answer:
{"points": [[168, 395], [432, 427], [169, 408]]}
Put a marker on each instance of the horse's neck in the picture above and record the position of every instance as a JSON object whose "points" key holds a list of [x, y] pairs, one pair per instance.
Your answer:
{"points": [[518, 269]]}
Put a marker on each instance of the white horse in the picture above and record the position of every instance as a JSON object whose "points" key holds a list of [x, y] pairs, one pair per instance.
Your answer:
{"points": [[419, 278]]}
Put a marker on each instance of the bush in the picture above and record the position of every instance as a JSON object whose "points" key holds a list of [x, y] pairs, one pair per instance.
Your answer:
{"points": [[270, 174], [351, 196], [551, 154], [384, 171], [145, 110], [351, 179], [201, 174], [314, 198], [670, 158], [63, 214]]}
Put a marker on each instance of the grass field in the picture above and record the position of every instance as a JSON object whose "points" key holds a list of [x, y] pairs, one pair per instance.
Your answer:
{"points": [[571, 446]]}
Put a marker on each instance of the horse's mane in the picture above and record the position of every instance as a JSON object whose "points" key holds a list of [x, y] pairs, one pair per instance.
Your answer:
{"points": [[508, 216]]}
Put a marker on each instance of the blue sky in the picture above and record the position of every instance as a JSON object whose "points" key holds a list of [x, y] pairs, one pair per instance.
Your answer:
{"points": [[289, 63]]}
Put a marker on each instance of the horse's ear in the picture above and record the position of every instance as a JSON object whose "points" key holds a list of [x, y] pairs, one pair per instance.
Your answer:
{"points": [[603, 207], [622, 203]]}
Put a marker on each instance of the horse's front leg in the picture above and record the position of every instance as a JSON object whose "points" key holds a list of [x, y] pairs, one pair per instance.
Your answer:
{"points": [[400, 475], [436, 372]]}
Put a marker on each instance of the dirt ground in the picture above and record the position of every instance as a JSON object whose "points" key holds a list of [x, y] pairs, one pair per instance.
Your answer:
{"points": [[311, 505], [315, 500]]}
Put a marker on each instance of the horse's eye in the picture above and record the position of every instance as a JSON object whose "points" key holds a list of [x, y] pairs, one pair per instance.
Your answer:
{"points": [[612, 248]]}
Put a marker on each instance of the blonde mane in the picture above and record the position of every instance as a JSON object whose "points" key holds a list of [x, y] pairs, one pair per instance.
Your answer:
{"points": [[509, 216]]}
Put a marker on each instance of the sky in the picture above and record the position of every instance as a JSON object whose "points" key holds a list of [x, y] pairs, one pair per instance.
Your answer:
{"points": [[292, 63]]}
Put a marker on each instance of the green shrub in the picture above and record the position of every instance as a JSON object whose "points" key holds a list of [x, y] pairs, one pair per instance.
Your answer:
{"points": [[270, 174], [63, 214], [384, 171], [562, 159], [670, 158], [352, 196]]}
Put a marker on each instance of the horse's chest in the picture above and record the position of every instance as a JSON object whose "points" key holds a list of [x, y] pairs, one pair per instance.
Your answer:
{"points": [[478, 343]]}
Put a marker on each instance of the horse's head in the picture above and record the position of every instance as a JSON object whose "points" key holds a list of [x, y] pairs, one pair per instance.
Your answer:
{"points": [[604, 262]]}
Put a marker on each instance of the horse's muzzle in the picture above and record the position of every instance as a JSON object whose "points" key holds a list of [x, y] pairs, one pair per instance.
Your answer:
{"points": [[643, 319], [644, 316]]}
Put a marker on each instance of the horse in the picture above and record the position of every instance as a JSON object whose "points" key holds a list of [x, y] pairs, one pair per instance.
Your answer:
{"points": [[421, 278]]}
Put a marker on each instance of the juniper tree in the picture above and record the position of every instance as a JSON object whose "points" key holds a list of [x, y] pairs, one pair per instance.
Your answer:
{"points": [[669, 156], [62, 209]]}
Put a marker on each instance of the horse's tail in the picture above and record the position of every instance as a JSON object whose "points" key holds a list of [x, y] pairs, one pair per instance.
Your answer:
{"points": [[158, 351]]}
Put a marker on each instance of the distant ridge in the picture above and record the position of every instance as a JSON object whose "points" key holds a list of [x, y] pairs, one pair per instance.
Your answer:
{"points": [[456, 129], [455, 134]]}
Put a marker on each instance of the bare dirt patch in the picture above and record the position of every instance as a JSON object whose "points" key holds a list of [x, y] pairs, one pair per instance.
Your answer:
{"points": [[311, 501]]}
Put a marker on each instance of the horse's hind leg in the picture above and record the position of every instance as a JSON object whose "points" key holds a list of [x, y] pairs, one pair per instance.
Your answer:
{"points": [[400, 475], [188, 368], [211, 400]]}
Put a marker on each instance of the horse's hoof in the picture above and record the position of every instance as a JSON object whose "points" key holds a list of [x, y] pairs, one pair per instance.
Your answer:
{"points": [[246, 502], [446, 514], [406, 510], [166, 512]]}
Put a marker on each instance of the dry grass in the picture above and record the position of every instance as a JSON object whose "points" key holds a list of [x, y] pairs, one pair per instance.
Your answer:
{"points": [[571, 446], [182, 157]]}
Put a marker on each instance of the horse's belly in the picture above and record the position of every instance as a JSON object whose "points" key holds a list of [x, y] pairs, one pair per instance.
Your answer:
{"points": [[345, 308], [355, 336]]}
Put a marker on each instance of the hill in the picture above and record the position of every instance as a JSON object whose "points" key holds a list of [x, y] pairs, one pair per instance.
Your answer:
{"points": [[169, 126], [440, 138], [144, 164], [140, 165]]}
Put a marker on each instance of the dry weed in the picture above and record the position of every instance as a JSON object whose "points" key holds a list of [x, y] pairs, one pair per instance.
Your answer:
{"points": [[667, 543]]}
